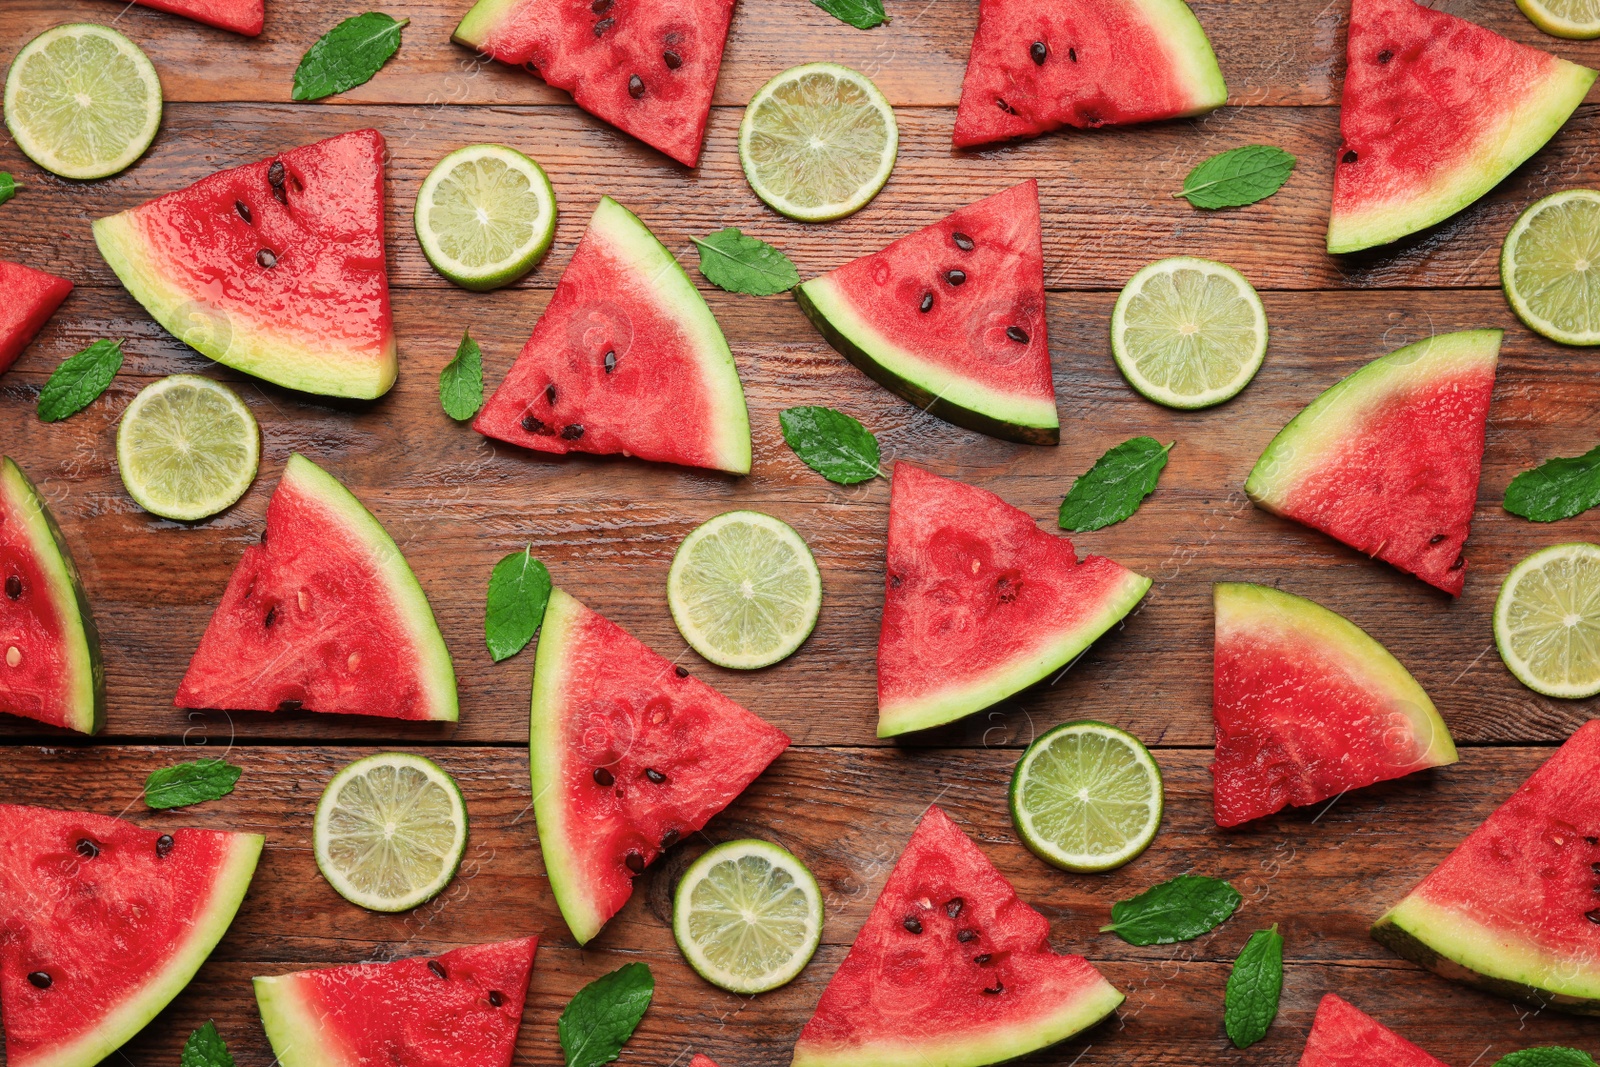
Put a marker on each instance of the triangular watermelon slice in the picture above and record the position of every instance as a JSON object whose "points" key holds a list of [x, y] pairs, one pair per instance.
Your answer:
{"points": [[1436, 111], [1388, 460], [102, 923], [275, 268], [979, 603], [240, 16], [628, 754], [951, 968], [1345, 1036], [1039, 65], [32, 296], [646, 67], [1515, 909], [458, 1009], [323, 614], [952, 318], [1308, 707], [49, 651], [626, 358]]}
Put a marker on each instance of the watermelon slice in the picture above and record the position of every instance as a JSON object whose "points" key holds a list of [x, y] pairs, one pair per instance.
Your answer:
{"points": [[1515, 909], [950, 969], [275, 268], [952, 318], [979, 603], [1036, 67], [1436, 111], [1387, 461], [102, 923], [647, 68], [323, 614], [1345, 1036], [627, 358], [458, 1009], [240, 16], [1308, 707], [49, 651], [32, 296], [701, 1060], [628, 754]]}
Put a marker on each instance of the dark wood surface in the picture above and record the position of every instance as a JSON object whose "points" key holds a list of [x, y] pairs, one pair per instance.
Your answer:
{"points": [[842, 800]]}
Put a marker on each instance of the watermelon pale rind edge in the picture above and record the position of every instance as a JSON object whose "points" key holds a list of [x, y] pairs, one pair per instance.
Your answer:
{"points": [[965, 402], [87, 671], [1048, 656], [295, 1032], [253, 347], [479, 24], [1190, 51]]}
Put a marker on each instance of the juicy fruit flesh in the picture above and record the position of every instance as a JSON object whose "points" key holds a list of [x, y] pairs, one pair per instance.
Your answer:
{"points": [[32, 296], [1191, 331], [1089, 794], [1343, 1036], [817, 140], [1552, 621], [486, 213], [240, 16], [1556, 267], [393, 829], [750, 916], [189, 446], [87, 104]]}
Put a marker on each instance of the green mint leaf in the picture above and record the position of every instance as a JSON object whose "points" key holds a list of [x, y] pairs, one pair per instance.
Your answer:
{"points": [[519, 588], [831, 443], [8, 187], [461, 381], [79, 380], [1253, 988], [1238, 177], [1180, 910], [183, 784], [1115, 486], [1558, 489], [862, 14], [347, 55], [600, 1019], [205, 1048], [1548, 1056], [740, 263]]}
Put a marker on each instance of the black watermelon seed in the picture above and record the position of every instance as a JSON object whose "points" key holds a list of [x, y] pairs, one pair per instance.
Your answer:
{"points": [[495, 999], [87, 848], [964, 936], [1385, 55], [572, 432], [1038, 51], [1591, 840], [682, 672], [1003, 106], [604, 777], [272, 617], [635, 86], [532, 425], [13, 587], [912, 924], [436, 967], [603, 25], [672, 59], [1072, 54], [40, 980], [962, 241], [1435, 539], [164, 845], [927, 303], [1461, 561], [611, 362], [982, 960], [1593, 916], [1017, 334], [654, 775], [894, 581], [290, 705], [955, 277], [635, 862], [953, 906], [1349, 156], [669, 839], [550, 394], [600, 7], [999, 987], [275, 176], [266, 259], [1595, 867], [244, 211]]}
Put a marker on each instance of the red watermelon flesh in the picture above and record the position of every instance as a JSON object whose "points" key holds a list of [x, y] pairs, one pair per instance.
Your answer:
{"points": [[458, 1009], [240, 16], [646, 67], [32, 296], [112, 920], [1036, 67], [1345, 1036], [951, 968], [702, 1061]]}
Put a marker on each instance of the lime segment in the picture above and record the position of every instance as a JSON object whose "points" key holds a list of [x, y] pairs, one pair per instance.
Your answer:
{"points": [[1574, 19], [1550, 267], [390, 831], [485, 216], [1547, 621], [1086, 797], [187, 447], [747, 916]]}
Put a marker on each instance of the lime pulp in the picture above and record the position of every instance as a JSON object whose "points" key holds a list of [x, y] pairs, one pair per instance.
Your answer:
{"points": [[1550, 267], [1547, 621], [485, 216], [747, 916], [187, 447], [1086, 797]]}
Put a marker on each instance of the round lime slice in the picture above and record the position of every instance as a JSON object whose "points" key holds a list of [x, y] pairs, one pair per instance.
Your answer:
{"points": [[1547, 621], [82, 101], [1188, 333], [187, 447], [744, 590], [747, 916], [1550, 267], [818, 142], [1086, 797], [485, 216], [390, 831], [1577, 20]]}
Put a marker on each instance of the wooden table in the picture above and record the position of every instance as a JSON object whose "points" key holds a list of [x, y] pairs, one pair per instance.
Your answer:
{"points": [[607, 527]]}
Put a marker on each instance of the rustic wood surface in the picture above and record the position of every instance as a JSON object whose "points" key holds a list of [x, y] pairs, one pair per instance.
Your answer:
{"points": [[842, 800]]}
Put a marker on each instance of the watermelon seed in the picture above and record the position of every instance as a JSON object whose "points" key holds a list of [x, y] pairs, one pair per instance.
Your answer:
{"points": [[244, 212], [1593, 916], [927, 303], [953, 906], [1595, 867], [635, 86], [603, 25], [532, 425], [550, 394], [1038, 51], [572, 432], [600, 7], [964, 936], [982, 960], [266, 258], [955, 277], [1072, 54], [1461, 561], [962, 241], [894, 581], [1003, 106], [40, 979], [669, 839], [163, 846], [682, 672], [353, 662], [654, 775], [290, 705], [603, 777], [275, 179], [635, 862], [13, 656], [912, 923], [611, 362], [672, 59], [1350, 156], [272, 616], [87, 848], [1435, 539], [999, 987], [436, 967], [495, 999], [1017, 334], [13, 587], [1591, 840], [1385, 55]]}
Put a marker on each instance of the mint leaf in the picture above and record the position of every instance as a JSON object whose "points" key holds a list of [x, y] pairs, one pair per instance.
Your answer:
{"points": [[519, 588], [183, 784], [1549, 1056], [831, 443], [1238, 177], [862, 14], [740, 263], [461, 381], [600, 1019], [1179, 910], [1115, 486], [8, 187], [205, 1048], [347, 55], [79, 380], [1558, 489], [1253, 988]]}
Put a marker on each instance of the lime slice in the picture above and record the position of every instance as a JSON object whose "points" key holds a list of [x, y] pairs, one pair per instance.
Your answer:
{"points": [[1550, 267], [818, 142], [485, 216], [744, 590], [187, 447], [747, 916], [1577, 20], [1086, 797], [1188, 333], [1547, 621], [82, 101], [390, 831]]}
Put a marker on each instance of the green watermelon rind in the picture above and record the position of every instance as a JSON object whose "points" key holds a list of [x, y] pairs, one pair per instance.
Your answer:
{"points": [[294, 1030], [1007, 679], [66, 596], [479, 24], [1190, 51], [962, 401]]}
